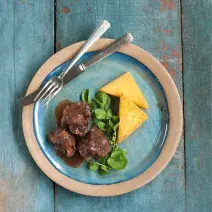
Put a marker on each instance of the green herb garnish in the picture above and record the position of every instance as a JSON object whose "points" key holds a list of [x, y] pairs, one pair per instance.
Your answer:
{"points": [[117, 159], [107, 122], [85, 96]]}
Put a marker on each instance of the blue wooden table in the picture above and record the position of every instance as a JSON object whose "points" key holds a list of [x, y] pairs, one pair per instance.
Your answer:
{"points": [[176, 32]]}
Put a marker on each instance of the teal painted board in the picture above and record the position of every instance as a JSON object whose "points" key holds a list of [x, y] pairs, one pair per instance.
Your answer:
{"points": [[26, 41], [155, 26], [197, 69]]}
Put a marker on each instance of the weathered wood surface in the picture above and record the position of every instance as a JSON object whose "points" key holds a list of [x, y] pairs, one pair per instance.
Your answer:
{"points": [[155, 26], [197, 66], [26, 41]]}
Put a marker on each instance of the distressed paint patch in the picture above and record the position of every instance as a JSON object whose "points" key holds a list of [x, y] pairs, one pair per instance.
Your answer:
{"points": [[167, 4], [171, 59], [165, 62], [164, 31], [65, 10], [164, 47], [167, 31], [58, 46], [88, 9], [173, 74]]}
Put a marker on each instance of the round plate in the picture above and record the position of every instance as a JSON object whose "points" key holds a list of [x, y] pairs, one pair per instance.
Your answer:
{"points": [[150, 148]]}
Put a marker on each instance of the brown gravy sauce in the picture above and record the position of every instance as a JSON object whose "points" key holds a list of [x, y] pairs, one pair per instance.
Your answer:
{"points": [[75, 161], [59, 111]]}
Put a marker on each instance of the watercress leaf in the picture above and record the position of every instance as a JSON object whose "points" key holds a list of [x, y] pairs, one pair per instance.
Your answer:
{"points": [[115, 127], [99, 103], [115, 119], [83, 96], [86, 96], [111, 124], [123, 151], [117, 160], [109, 131], [111, 142], [109, 113], [102, 99], [107, 105], [103, 160], [96, 121], [102, 172], [93, 105], [105, 168], [114, 137], [101, 125], [93, 166], [100, 114]]}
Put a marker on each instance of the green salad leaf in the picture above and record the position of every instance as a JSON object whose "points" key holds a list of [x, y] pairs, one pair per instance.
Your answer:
{"points": [[109, 114], [100, 114], [118, 159], [101, 125], [102, 99], [104, 118], [86, 96], [104, 170], [93, 166], [115, 119]]}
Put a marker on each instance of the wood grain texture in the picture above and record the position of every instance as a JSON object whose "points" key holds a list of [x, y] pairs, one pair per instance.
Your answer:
{"points": [[197, 51], [155, 26], [26, 41]]}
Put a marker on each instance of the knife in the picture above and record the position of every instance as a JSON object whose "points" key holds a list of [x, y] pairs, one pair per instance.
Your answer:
{"points": [[75, 71]]}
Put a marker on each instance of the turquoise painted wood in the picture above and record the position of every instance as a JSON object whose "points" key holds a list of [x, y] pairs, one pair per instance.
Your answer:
{"points": [[155, 26], [197, 51], [26, 41]]}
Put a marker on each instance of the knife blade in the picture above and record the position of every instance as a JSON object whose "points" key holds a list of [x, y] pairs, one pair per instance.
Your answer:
{"points": [[75, 71]]}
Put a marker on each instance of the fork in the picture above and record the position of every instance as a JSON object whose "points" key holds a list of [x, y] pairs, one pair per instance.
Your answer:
{"points": [[55, 84]]}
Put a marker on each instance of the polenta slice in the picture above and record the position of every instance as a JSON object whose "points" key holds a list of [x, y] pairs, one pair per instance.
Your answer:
{"points": [[127, 86], [131, 117]]}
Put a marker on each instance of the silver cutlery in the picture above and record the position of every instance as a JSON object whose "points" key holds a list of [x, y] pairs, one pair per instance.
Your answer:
{"points": [[75, 71], [55, 84]]}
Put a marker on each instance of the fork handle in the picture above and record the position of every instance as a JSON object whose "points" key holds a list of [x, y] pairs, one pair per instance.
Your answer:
{"points": [[99, 31]]}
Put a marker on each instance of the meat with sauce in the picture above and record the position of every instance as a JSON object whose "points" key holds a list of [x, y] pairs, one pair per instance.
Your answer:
{"points": [[76, 117], [95, 144], [59, 111], [63, 142]]}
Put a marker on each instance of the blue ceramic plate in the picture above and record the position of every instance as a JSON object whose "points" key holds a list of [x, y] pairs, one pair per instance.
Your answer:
{"points": [[143, 146]]}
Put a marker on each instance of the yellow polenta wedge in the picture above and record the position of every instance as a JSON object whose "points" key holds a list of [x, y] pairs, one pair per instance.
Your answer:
{"points": [[127, 86], [131, 117]]}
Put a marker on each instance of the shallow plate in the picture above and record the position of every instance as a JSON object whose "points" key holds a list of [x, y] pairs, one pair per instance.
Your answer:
{"points": [[149, 149]]}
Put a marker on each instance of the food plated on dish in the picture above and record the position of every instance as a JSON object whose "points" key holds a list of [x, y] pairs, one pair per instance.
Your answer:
{"points": [[149, 148], [90, 130]]}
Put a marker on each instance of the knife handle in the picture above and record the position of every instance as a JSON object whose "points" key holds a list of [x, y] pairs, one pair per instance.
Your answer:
{"points": [[125, 39]]}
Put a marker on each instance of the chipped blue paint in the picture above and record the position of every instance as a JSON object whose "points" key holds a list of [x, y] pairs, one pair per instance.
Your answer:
{"points": [[27, 29], [26, 41]]}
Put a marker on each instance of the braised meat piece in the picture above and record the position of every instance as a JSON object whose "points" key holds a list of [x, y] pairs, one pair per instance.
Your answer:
{"points": [[59, 111], [94, 144], [63, 142], [76, 116]]}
